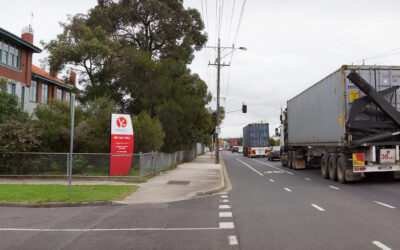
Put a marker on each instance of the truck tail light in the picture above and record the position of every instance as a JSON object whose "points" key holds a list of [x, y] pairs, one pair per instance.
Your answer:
{"points": [[274, 153]]}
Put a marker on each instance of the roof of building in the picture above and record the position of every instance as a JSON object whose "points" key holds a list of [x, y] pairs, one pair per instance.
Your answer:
{"points": [[44, 75], [19, 40]]}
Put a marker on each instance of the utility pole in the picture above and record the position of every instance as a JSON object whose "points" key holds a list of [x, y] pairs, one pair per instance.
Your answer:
{"points": [[219, 65]]}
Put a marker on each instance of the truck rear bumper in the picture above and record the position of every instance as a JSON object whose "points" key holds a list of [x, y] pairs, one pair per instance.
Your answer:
{"points": [[376, 168]]}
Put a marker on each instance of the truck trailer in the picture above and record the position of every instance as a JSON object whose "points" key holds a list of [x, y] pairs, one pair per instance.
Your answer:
{"points": [[255, 140], [347, 124]]}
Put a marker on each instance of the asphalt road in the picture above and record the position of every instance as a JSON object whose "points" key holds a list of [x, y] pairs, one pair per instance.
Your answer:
{"points": [[269, 207], [280, 208], [191, 224]]}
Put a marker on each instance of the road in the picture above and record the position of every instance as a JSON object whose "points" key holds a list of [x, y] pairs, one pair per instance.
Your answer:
{"points": [[280, 208], [269, 207]]}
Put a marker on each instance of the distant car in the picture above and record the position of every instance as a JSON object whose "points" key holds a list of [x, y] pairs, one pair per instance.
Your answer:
{"points": [[235, 149], [274, 153], [220, 149]]}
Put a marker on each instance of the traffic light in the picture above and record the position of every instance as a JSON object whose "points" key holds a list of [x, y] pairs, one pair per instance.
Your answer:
{"points": [[244, 108]]}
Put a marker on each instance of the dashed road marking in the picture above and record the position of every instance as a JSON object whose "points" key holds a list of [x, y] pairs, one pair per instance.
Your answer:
{"points": [[109, 229], [224, 206], [272, 166], [288, 189], [233, 240], [308, 179], [225, 214], [334, 187], [250, 167], [271, 180], [224, 196], [318, 207], [226, 225], [225, 201], [384, 204], [381, 245]]}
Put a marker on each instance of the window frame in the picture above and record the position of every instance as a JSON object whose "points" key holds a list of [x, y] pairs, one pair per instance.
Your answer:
{"points": [[33, 94], [45, 93], [10, 55]]}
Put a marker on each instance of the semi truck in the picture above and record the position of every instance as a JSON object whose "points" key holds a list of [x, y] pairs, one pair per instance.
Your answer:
{"points": [[347, 124], [255, 140]]}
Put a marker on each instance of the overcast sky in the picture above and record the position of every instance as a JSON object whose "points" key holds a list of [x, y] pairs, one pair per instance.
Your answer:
{"points": [[291, 44]]}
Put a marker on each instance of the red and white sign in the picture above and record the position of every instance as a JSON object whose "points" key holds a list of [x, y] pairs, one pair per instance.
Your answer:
{"points": [[122, 139]]}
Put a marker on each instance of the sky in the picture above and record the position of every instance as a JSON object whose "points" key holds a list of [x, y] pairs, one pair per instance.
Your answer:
{"points": [[291, 44]]}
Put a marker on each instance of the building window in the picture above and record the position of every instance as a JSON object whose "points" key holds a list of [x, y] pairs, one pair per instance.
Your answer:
{"points": [[68, 97], [33, 91], [22, 97], [45, 93], [59, 94], [10, 56], [13, 88]]}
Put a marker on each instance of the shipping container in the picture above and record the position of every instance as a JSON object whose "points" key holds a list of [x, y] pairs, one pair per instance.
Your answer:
{"points": [[354, 110], [255, 139]]}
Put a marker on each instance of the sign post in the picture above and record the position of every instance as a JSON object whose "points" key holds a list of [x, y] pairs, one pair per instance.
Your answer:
{"points": [[122, 141]]}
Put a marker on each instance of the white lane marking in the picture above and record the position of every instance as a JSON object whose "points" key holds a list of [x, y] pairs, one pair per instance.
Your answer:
{"points": [[250, 167], [271, 180], [225, 214], [225, 201], [384, 204], [226, 225], [287, 189], [224, 196], [233, 240], [308, 179], [334, 187], [380, 245], [272, 166], [224, 206], [108, 229], [318, 207]]}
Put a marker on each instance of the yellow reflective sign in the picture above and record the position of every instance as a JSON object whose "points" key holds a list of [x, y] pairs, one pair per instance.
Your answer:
{"points": [[353, 95]]}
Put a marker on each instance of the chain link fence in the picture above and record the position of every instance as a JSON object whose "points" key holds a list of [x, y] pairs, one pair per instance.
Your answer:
{"points": [[30, 164]]}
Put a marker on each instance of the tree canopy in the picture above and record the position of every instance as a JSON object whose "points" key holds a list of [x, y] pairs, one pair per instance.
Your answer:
{"points": [[136, 52]]}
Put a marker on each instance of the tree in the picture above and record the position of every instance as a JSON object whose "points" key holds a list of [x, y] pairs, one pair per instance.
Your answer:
{"points": [[136, 52], [164, 28], [10, 107], [148, 133]]}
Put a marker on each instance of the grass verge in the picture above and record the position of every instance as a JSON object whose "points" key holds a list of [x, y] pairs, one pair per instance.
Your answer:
{"points": [[52, 192]]}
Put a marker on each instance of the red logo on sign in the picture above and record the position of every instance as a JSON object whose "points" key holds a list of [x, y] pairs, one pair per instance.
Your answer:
{"points": [[121, 122]]}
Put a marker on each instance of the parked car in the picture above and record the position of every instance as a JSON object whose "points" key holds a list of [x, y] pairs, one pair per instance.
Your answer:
{"points": [[235, 149], [275, 153]]}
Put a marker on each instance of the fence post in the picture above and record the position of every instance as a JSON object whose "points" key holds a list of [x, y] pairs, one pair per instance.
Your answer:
{"points": [[140, 167]]}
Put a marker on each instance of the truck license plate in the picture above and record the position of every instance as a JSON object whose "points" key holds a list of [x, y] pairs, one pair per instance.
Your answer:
{"points": [[387, 155]]}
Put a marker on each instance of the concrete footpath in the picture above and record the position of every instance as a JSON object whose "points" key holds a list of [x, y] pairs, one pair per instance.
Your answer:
{"points": [[196, 178]]}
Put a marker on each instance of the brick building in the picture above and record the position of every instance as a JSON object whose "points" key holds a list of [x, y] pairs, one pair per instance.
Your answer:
{"points": [[31, 84]]}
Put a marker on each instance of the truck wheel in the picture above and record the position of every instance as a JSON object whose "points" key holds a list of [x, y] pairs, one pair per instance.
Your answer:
{"points": [[332, 167], [341, 168], [324, 166]]}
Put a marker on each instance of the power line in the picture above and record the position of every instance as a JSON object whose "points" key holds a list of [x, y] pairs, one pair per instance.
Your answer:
{"points": [[384, 54], [230, 24], [240, 21]]}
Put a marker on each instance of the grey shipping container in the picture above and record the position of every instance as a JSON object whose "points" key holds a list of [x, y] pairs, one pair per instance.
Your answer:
{"points": [[318, 115], [256, 135]]}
